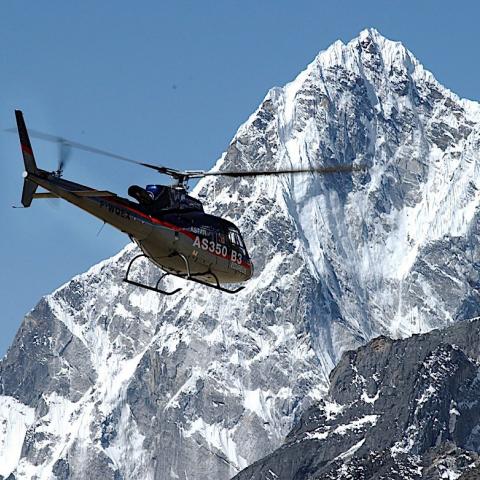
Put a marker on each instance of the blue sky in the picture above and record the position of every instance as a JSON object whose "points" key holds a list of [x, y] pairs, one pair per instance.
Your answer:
{"points": [[165, 82]]}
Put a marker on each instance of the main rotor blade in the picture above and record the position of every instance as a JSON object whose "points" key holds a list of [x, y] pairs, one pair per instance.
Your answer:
{"points": [[258, 173], [86, 148], [191, 174]]}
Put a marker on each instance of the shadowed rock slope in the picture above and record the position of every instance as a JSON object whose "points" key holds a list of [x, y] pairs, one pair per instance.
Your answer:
{"points": [[396, 409]]}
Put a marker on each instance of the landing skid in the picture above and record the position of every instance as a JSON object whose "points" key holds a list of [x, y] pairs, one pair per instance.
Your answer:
{"points": [[143, 285], [188, 276]]}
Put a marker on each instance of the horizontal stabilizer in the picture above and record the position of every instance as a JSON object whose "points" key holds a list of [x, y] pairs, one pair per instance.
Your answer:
{"points": [[79, 193], [44, 195], [94, 193]]}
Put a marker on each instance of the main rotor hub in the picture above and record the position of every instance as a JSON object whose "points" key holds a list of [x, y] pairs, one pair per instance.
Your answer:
{"points": [[181, 181]]}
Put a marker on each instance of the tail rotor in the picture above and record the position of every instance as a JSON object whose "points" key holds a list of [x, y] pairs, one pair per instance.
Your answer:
{"points": [[64, 153]]}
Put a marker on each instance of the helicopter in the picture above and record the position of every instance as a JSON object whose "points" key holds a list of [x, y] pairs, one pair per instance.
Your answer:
{"points": [[169, 226]]}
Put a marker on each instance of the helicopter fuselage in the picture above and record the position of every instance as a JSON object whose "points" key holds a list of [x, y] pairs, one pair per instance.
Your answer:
{"points": [[190, 244]]}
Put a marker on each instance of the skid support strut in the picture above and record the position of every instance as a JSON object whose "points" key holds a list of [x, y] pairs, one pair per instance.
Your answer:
{"points": [[142, 285]]}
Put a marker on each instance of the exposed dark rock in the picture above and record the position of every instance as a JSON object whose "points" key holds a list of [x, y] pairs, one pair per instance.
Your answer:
{"points": [[61, 469], [401, 409]]}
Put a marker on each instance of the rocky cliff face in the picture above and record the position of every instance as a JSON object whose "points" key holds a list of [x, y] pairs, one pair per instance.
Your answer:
{"points": [[105, 380], [404, 409]]}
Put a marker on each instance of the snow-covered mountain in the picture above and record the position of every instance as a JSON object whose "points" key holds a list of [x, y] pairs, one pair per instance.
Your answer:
{"points": [[105, 380]]}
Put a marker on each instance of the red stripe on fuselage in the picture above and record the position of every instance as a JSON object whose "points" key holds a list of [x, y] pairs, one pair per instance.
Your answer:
{"points": [[169, 225]]}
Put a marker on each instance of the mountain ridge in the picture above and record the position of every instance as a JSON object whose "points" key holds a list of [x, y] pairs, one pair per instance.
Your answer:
{"points": [[397, 409]]}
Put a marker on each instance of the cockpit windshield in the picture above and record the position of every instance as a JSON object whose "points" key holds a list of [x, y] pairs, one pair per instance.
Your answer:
{"points": [[236, 239]]}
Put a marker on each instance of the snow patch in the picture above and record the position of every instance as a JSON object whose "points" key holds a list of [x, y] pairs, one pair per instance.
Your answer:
{"points": [[15, 419]]}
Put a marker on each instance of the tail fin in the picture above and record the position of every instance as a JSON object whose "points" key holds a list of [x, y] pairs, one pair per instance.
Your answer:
{"points": [[29, 187], [28, 157]]}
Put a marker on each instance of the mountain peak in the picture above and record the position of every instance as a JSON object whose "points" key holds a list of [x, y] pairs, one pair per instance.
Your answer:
{"points": [[378, 65], [369, 45], [372, 35], [370, 32]]}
